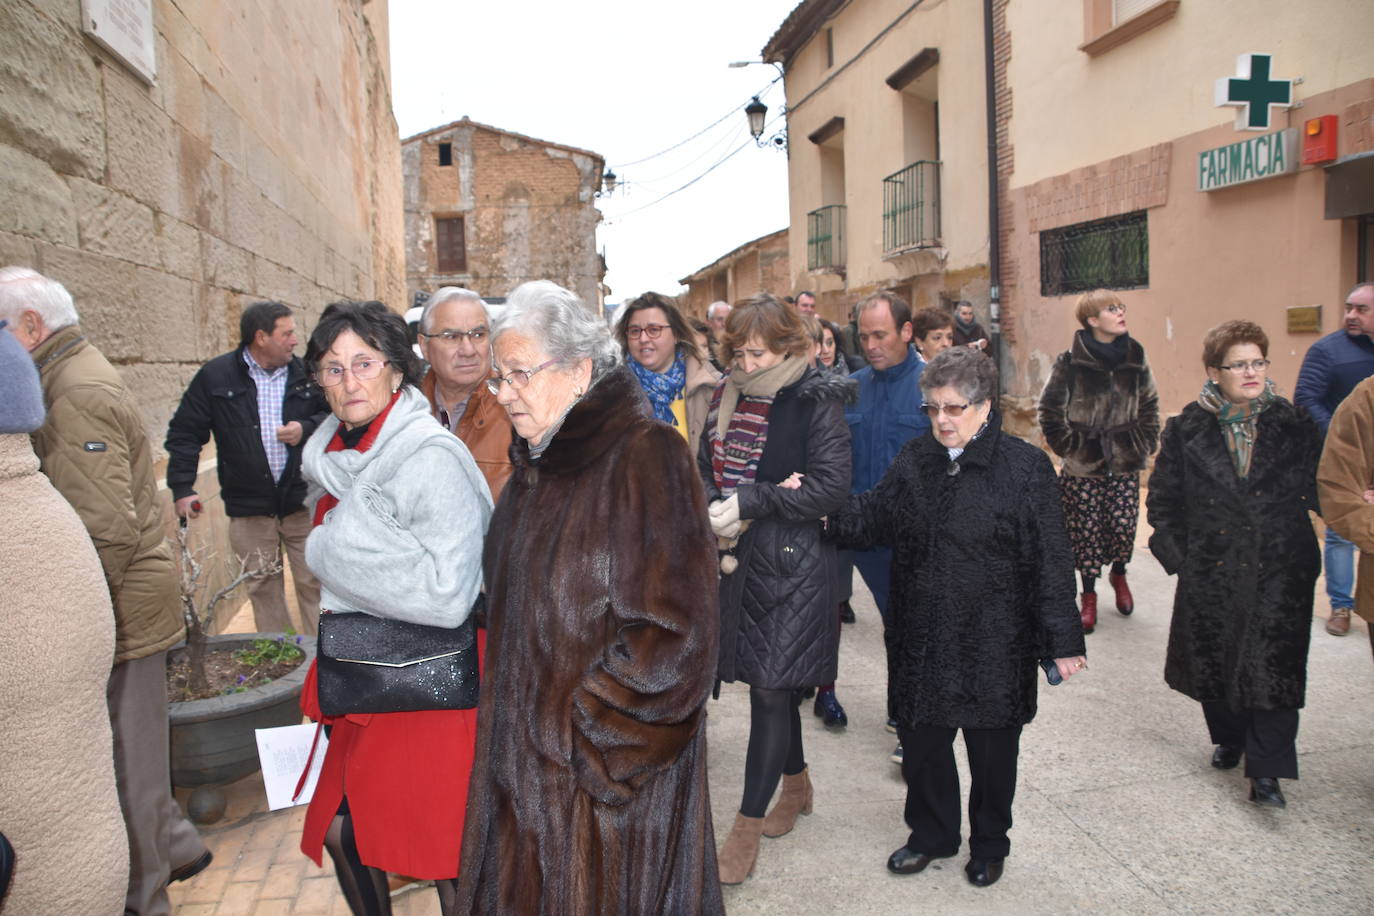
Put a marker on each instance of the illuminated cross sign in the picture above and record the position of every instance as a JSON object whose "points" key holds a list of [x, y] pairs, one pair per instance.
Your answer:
{"points": [[1253, 92]]}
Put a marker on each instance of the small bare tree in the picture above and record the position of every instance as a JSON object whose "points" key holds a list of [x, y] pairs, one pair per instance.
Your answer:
{"points": [[198, 619]]}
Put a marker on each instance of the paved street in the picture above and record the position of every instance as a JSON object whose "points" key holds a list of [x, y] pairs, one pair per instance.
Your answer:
{"points": [[1117, 809]]}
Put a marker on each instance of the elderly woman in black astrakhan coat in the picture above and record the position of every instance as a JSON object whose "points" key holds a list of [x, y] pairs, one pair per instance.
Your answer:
{"points": [[982, 590], [1228, 502]]}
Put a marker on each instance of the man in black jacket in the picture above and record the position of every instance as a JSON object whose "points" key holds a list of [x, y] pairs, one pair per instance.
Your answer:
{"points": [[258, 402]]}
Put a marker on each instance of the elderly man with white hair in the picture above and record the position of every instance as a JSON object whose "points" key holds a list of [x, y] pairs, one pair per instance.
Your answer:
{"points": [[455, 339], [94, 450]]}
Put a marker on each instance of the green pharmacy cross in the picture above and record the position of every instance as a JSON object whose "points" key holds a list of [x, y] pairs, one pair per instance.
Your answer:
{"points": [[1253, 92]]}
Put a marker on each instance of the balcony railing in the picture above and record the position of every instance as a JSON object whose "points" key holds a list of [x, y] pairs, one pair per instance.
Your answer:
{"points": [[911, 207], [825, 238]]}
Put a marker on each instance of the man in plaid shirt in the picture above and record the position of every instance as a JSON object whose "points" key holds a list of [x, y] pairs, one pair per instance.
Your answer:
{"points": [[258, 403]]}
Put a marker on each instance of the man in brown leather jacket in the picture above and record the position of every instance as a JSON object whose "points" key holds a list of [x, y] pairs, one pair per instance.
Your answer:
{"points": [[455, 338], [96, 453]]}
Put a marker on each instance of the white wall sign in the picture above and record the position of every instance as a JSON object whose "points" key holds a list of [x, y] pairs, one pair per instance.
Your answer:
{"points": [[1251, 159], [125, 29]]}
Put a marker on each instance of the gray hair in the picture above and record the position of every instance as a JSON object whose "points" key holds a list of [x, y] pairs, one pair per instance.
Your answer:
{"points": [[556, 319], [970, 372], [22, 288], [711, 309], [448, 294]]}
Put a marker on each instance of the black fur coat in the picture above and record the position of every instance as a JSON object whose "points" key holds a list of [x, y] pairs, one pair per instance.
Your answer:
{"points": [[982, 578], [1245, 554]]}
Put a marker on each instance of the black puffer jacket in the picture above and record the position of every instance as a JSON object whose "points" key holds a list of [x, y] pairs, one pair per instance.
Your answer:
{"points": [[779, 624], [982, 578], [1245, 554]]}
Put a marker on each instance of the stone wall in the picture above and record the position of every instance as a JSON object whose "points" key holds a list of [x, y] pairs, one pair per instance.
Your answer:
{"points": [[759, 266], [262, 163], [528, 208]]}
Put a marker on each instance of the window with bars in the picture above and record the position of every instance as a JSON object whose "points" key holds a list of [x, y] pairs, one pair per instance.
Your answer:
{"points": [[1112, 253], [450, 248]]}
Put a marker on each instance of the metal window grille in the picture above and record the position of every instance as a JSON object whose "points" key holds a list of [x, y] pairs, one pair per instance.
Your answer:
{"points": [[1111, 253], [825, 245], [911, 207]]}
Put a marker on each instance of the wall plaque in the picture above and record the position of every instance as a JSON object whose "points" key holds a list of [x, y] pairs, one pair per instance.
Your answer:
{"points": [[1304, 319], [125, 29]]}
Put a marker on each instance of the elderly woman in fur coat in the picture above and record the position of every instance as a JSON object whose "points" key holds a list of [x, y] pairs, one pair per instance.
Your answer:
{"points": [[1229, 501], [589, 794], [1100, 413]]}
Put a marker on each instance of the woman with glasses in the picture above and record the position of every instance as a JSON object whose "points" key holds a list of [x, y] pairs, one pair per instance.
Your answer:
{"points": [[1100, 413], [982, 590], [775, 459], [664, 356], [400, 510], [1229, 501], [589, 794]]}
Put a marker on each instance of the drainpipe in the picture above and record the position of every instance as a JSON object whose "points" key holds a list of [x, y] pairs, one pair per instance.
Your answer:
{"points": [[994, 252]]}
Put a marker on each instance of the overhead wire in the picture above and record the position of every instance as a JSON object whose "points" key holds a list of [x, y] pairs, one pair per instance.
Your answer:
{"points": [[732, 111]]}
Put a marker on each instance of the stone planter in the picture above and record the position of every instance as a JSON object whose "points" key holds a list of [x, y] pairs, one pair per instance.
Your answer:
{"points": [[213, 741]]}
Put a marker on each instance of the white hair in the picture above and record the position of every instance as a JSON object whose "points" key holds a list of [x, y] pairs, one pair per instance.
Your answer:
{"points": [[711, 309], [448, 294], [23, 289], [558, 321]]}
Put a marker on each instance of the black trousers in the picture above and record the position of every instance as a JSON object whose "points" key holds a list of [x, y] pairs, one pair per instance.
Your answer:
{"points": [[1269, 737], [932, 788]]}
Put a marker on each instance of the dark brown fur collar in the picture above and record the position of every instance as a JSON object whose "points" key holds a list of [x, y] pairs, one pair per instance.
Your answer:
{"points": [[603, 416]]}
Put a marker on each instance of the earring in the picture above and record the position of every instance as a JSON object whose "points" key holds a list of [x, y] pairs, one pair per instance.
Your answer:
{"points": [[577, 393]]}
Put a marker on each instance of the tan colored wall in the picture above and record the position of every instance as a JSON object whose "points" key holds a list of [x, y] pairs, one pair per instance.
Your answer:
{"points": [[762, 266], [263, 163], [529, 209], [876, 144]]}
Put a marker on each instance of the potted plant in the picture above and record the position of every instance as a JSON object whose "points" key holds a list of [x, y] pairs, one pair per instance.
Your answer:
{"points": [[233, 684]]}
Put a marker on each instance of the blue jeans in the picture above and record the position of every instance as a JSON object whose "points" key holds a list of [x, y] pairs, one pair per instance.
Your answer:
{"points": [[1340, 570], [876, 568]]}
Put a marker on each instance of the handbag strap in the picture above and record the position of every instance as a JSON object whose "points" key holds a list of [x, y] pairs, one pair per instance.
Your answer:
{"points": [[305, 773]]}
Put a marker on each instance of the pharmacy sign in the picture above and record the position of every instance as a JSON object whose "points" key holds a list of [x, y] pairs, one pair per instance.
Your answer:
{"points": [[1252, 92], [1251, 159]]}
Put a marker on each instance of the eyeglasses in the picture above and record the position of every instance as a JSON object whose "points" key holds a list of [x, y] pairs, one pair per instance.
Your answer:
{"points": [[949, 410], [1254, 365], [518, 378], [452, 335], [651, 331], [1117, 309], [364, 370]]}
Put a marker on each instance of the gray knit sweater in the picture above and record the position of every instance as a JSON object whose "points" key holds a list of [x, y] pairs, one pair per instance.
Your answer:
{"points": [[405, 540]]}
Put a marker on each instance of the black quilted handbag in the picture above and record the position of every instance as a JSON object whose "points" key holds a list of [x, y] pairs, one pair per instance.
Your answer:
{"points": [[370, 664]]}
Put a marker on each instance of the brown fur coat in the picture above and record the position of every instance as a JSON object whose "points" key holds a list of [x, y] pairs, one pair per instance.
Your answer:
{"points": [[589, 789]]}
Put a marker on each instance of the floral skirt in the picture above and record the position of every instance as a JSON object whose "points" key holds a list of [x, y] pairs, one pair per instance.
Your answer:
{"points": [[1101, 515]]}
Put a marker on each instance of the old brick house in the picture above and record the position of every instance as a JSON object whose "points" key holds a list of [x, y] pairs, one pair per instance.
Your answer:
{"points": [[759, 266], [488, 209]]}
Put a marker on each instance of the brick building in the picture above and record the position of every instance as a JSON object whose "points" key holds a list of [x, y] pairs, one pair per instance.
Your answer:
{"points": [[488, 209], [760, 266]]}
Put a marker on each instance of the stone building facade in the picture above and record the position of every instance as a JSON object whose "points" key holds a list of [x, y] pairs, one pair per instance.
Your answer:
{"points": [[488, 209], [759, 266], [262, 162]]}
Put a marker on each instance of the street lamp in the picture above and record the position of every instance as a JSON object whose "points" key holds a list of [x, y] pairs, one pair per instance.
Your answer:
{"points": [[755, 111]]}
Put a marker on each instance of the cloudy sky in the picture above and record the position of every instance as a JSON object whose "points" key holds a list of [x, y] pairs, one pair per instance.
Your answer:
{"points": [[627, 80]]}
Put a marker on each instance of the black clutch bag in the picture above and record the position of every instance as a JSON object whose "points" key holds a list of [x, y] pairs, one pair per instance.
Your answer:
{"points": [[368, 664]]}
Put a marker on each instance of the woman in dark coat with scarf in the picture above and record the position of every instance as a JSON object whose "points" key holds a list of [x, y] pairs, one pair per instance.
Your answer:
{"points": [[1100, 413], [775, 459], [982, 590], [1229, 501], [589, 789]]}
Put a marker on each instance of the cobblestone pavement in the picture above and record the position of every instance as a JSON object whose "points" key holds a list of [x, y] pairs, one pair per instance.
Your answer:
{"points": [[1117, 809]]}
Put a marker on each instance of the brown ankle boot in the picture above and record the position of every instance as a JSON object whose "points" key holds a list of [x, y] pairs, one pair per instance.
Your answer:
{"points": [[795, 799], [740, 849]]}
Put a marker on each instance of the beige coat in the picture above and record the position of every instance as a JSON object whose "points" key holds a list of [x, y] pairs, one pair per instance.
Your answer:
{"points": [[94, 450], [1345, 472], [702, 379], [58, 804]]}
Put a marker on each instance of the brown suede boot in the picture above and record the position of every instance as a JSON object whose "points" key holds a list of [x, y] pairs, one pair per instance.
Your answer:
{"points": [[740, 849], [795, 799]]}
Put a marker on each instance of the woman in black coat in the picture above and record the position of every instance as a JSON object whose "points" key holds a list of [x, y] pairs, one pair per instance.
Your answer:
{"points": [[1228, 502], [982, 590], [775, 459]]}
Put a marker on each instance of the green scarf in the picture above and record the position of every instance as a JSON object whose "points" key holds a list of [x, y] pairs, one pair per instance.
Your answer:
{"points": [[1239, 422]]}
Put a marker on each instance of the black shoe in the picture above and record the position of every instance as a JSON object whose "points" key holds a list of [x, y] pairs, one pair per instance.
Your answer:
{"points": [[191, 869], [846, 612], [829, 709], [907, 861], [982, 872], [1226, 757], [808, 693], [1264, 790]]}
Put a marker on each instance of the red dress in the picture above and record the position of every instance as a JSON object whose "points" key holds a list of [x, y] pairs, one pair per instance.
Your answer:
{"points": [[405, 773]]}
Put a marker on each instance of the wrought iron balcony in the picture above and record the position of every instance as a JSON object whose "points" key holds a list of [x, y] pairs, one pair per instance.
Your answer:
{"points": [[825, 247], [911, 207]]}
